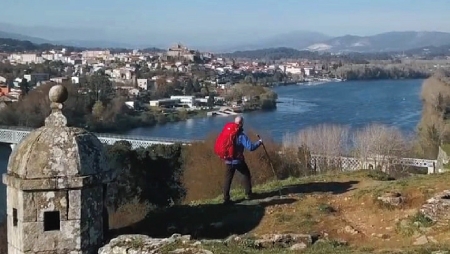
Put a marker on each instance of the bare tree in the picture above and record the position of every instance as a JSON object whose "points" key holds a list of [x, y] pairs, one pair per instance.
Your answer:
{"points": [[379, 144], [327, 140]]}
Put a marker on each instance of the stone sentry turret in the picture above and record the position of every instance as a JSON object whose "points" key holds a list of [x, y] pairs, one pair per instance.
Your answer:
{"points": [[56, 183]]}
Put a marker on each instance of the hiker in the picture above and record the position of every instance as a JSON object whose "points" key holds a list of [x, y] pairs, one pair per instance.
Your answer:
{"points": [[235, 160]]}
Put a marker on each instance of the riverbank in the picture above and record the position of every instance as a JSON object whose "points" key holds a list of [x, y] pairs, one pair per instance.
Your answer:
{"points": [[146, 119], [318, 81]]}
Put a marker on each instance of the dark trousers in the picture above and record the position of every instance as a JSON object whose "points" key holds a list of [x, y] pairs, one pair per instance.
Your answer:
{"points": [[242, 168]]}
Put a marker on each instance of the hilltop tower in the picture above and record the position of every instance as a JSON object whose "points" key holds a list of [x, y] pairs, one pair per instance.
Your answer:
{"points": [[56, 184]]}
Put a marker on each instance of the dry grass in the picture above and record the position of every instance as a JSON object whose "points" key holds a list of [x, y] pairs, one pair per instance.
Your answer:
{"points": [[129, 214]]}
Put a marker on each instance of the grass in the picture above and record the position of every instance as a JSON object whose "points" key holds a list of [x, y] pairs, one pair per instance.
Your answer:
{"points": [[323, 247], [416, 224], [321, 204]]}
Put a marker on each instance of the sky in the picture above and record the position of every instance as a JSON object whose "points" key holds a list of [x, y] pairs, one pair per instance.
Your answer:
{"points": [[213, 21]]}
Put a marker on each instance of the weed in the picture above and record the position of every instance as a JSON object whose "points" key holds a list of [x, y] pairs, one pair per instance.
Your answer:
{"points": [[421, 220], [325, 208], [282, 217], [379, 175], [414, 224]]}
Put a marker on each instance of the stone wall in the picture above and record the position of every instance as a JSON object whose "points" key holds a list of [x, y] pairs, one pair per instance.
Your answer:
{"points": [[437, 208], [183, 244]]}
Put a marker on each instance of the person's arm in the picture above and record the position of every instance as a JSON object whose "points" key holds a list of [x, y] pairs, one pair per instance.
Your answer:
{"points": [[247, 143]]}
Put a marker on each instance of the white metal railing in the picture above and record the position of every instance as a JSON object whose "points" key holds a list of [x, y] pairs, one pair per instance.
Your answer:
{"points": [[14, 135], [354, 163]]}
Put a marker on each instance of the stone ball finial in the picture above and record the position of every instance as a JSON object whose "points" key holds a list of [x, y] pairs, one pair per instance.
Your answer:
{"points": [[58, 94]]}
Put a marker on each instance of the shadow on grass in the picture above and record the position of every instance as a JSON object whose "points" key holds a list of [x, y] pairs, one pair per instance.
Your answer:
{"points": [[206, 221], [305, 188]]}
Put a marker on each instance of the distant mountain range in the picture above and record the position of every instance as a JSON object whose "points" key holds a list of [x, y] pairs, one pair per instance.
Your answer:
{"points": [[385, 42], [299, 40], [21, 37], [295, 40]]}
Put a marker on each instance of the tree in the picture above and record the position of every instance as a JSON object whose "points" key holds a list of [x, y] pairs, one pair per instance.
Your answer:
{"points": [[24, 86], [197, 86], [100, 87], [188, 87], [97, 110], [210, 101]]}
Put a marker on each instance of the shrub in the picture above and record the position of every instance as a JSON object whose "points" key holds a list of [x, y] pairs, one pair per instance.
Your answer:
{"points": [[151, 175]]}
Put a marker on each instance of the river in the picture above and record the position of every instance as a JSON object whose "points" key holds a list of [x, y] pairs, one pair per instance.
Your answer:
{"points": [[353, 103]]}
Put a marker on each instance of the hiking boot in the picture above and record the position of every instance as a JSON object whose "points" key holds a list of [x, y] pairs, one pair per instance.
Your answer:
{"points": [[227, 202], [250, 196]]}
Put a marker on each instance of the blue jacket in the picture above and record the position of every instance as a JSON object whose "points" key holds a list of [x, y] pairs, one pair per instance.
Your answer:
{"points": [[243, 142]]}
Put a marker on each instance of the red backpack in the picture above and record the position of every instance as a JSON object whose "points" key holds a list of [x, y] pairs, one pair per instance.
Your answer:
{"points": [[224, 147]]}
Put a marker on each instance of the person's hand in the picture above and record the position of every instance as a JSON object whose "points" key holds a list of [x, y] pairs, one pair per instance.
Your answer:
{"points": [[260, 141]]}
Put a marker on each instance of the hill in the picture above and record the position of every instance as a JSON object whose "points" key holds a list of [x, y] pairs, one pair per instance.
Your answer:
{"points": [[429, 52], [21, 37], [296, 40], [13, 45], [273, 54], [358, 212], [426, 52], [385, 42]]}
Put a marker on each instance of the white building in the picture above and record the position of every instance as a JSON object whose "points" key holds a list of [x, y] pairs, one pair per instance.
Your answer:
{"points": [[186, 100], [164, 102], [36, 77], [75, 80], [145, 84], [31, 58]]}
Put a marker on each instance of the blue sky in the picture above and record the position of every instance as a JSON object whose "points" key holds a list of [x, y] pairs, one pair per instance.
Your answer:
{"points": [[197, 21]]}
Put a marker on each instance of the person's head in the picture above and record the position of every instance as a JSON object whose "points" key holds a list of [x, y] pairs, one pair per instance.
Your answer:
{"points": [[239, 120]]}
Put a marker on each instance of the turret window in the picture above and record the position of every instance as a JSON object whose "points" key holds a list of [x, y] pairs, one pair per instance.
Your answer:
{"points": [[51, 221], [15, 220]]}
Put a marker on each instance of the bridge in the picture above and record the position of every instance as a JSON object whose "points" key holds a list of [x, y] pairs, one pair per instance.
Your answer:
{"points": [[13, 135]]}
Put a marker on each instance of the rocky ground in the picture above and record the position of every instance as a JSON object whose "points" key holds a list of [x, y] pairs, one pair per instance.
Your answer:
{"points": [[358, 212]]}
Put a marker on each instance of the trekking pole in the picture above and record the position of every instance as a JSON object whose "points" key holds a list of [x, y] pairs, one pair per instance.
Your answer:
{"points": [[270, 162]]}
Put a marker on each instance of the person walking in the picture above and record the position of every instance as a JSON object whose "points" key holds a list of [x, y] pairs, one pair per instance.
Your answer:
{"points": [[237, 162]]}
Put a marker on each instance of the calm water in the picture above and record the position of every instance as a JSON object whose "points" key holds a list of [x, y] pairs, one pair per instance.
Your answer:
{"points": [[354, 103]]}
